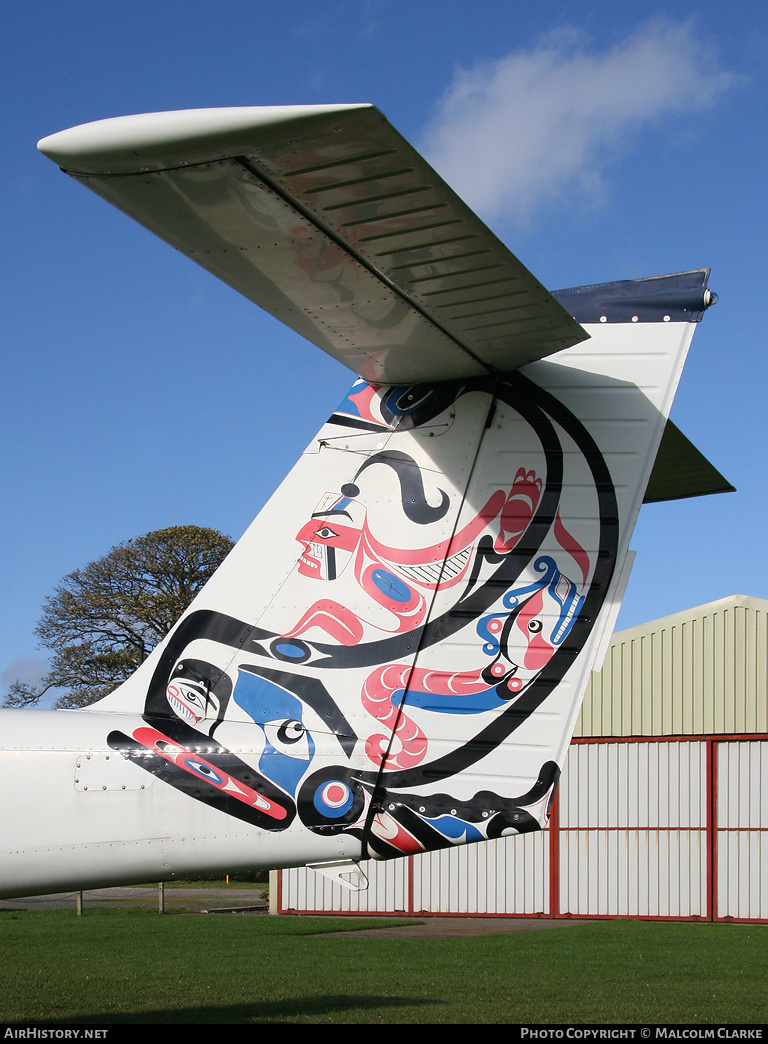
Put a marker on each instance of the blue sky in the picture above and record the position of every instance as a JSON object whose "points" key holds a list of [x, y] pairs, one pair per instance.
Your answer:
{"points": [[600, 141]]}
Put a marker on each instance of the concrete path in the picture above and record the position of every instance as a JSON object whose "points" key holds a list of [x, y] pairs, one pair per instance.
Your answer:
{"points": [[461, 927], [192, 900], [244, 899]]}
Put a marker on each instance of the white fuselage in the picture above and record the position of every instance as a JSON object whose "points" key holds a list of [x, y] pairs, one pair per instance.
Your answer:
{"points": [[81, 815]]}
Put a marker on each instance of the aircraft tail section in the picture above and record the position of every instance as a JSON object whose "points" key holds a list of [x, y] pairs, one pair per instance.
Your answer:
{"points": [[405, 632], [392, 658]]}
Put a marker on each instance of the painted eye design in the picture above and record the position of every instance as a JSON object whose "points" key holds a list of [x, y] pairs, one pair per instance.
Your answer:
{"points": [[288, 737], [290, 731], [534, 626], [204, 770], [185, 702], [325, 533]]}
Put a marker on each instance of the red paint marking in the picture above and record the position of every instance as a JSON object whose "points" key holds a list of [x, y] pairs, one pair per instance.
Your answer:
{"points": [[572, 546], [176, 755]]}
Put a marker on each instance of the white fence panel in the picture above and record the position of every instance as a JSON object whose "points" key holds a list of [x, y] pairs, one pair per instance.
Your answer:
{"points": [[305, 890], [507, 876], [742, 829], [633, 830], [632, 842]]}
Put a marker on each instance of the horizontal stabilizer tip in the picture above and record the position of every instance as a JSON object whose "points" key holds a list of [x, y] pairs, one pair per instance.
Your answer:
{"points": [[681, 471], [160, 140]]}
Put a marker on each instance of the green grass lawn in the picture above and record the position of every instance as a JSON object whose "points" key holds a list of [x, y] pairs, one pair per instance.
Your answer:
{"points": [[119, 966]]}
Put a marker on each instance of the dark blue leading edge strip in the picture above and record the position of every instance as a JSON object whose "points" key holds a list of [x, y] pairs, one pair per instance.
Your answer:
{"points": [[682, 297]]}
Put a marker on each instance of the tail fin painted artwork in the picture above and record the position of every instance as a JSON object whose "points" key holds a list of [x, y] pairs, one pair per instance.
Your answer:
{"points": [[392, 658]]}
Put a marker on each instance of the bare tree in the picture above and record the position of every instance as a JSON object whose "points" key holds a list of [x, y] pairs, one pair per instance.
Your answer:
{"points": [[103, 620]]}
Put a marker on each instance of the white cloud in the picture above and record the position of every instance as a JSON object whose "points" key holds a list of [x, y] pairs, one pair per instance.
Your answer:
{"points": [[511, 134]]}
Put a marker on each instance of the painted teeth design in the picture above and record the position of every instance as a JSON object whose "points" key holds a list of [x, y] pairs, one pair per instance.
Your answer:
{"points": [[316, 550], [431, 574], [557, 635], [181, 709]]}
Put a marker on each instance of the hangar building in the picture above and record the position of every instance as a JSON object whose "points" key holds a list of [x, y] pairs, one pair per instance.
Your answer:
{"points": [[662, 808]]}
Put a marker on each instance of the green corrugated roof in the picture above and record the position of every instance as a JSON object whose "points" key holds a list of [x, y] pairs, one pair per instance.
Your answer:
{"points": [[703, 671]]}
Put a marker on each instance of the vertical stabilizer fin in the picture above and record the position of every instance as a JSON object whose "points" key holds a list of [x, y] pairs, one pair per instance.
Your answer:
{"points": [[411, 622]]}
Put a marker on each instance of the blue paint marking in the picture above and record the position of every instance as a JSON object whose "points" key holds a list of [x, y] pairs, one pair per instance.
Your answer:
{"points": [[473, 703], [265, 702], [391, 586], [262, 700], [336, 810], [288, 649], [459, 829], [406, 398], [203, 771], [347, 405]]}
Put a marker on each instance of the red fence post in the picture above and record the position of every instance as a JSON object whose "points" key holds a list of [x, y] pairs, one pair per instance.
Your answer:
{"points": [[554, 855], [711, 832]]}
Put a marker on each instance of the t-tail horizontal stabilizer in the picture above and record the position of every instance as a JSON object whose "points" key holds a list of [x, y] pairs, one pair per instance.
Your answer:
{"points": [[392, 658], [327, 218]]}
